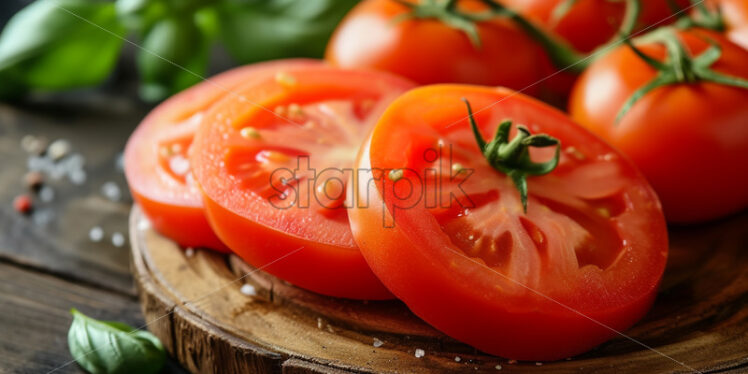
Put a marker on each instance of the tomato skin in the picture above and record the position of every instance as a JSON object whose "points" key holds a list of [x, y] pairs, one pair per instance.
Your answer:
{"points": [[689, 140], [310, 249], [427, 51], [464, 298], [591, 23], [173, 207], [287, 256]]}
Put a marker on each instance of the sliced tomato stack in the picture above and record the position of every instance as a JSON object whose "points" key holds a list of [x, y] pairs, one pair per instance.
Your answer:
{"points": [[341, 182], [583, 262], [157, 157], [271, 162]]}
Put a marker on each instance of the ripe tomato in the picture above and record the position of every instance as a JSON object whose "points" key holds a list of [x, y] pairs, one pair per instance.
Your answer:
{"points": [[588, 24], [464, 257], [688, 139], [156, 158], [428, 51], [273, 179]]}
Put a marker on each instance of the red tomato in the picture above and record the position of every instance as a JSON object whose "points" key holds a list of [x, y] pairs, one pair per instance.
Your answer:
{"points": [[591, 23], [274, 179], [688, 139], [156, 158], [428, 51], [464, 257]]}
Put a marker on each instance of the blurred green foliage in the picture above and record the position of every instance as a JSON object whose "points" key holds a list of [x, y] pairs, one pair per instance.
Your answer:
{"points": [[54, 45]]}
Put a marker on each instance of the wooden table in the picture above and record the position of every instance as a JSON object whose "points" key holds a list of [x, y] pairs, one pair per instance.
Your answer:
{"points": [[46, 268]]}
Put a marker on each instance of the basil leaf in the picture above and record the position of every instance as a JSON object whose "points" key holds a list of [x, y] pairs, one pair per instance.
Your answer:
{"points": [[257, 30], [113, 347], [171, 46], [140, 15], [48, 46]]}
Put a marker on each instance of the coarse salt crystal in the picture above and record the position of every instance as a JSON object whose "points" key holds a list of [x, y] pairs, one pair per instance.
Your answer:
{"points": [[96, 234], [377, 343], [248, 290], [118, 239], [420, 353]]}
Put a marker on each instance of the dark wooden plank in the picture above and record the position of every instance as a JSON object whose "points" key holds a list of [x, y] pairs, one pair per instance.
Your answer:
{"points": [[97, 126], [35, 317]]}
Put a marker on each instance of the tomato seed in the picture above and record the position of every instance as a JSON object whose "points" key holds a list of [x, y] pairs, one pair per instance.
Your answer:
{"points": [[285, 79], [249, 133]]}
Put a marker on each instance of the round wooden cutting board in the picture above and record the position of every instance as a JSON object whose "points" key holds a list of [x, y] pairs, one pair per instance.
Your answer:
{"points": [[216, 314]]}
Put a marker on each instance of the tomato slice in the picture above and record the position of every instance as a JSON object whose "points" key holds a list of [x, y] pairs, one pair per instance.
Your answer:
{"points": [[448, 236], [157, 163], [270, 161]]}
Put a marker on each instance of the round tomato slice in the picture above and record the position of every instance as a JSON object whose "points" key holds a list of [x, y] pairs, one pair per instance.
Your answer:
{"points": [[584, 261], [156, 157], [273, 162]]}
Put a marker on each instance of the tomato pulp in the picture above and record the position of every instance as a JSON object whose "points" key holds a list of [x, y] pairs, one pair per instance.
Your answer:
{"points": [[583, 262], [271, 163], [156, 158]]}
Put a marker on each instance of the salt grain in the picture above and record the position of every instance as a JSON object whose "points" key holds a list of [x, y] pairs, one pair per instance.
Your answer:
{"points": [[43, 216], [32, 144], [189, 252], [46, 194], [77, 177], [377, 343], [96, 234], [420, 353], [144, 224], [118, 239], [458, 358], [119, 162], [111, 191], [58, 149], [498, 367], [248, 290]]}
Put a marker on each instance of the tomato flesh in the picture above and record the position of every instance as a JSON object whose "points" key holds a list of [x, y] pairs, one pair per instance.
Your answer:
{"points": [[270, 162], [593, 242], [157, 163]]}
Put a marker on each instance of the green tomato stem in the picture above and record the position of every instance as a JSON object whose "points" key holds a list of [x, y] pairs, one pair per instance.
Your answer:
{"points": [[512, 157]]}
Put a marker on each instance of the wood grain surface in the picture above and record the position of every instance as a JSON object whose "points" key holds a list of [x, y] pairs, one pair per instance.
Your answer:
{"points": [[194, 304]]}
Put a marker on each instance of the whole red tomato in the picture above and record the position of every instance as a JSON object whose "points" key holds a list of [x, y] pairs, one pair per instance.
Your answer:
{"points": [[588, 24], [689, 138], [377, 34]]}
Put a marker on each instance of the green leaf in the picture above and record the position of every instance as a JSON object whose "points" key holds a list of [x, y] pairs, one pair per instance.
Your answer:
{"points": [[140, 15], [174, 57], [257, 30], [113, 347], [61, 44]]}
